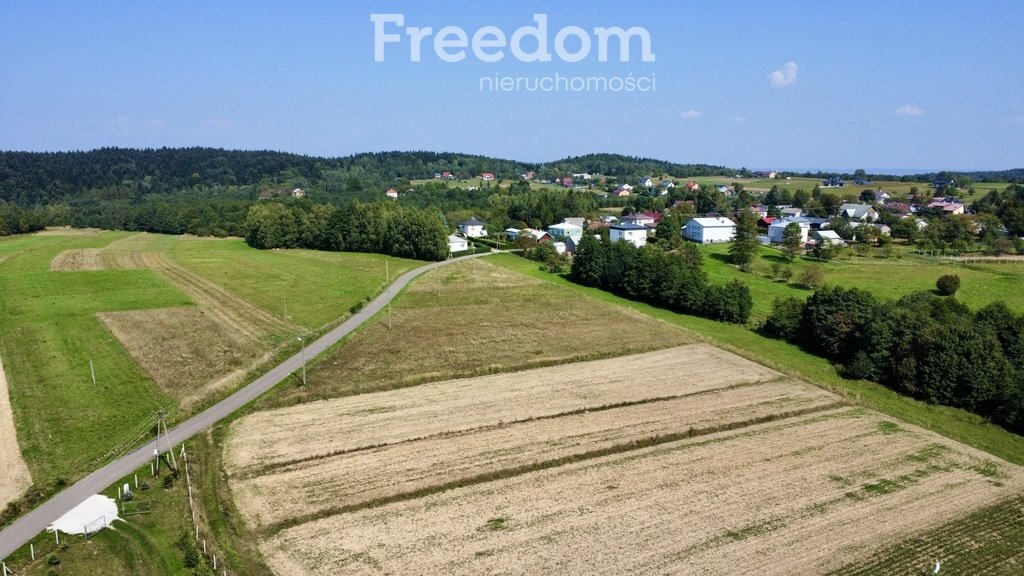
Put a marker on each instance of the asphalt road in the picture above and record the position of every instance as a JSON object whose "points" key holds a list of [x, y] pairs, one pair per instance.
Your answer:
{"points": [[26, 527]]}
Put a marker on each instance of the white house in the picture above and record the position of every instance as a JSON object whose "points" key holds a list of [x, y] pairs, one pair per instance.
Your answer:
{"points": [[564, 230], [829, 236], [632, 233], [512, 233], [710, 230], [457, 243], [473, 228], [645, 182], [790, 211], [777, 227], [559, 247], [582, 176], [391, 193]]}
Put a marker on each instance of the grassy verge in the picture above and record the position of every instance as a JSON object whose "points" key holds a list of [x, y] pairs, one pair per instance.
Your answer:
{"points": [[950, 422], [140, 544]]}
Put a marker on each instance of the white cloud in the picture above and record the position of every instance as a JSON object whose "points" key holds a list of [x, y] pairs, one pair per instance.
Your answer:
{"points": [[908, 110], [691, 113], [737, 120], [785, 76]]}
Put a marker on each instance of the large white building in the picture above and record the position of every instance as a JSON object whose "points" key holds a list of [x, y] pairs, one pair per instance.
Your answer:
{"points": [[710, 230], [632, 233]]}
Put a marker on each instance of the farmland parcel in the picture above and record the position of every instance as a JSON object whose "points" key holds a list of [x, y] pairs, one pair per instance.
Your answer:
{"points": [[687, 460]]}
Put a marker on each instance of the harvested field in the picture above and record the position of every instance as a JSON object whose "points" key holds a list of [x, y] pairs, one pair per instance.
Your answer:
{"points": [[77, 260], [186, 350], [14, 475], [478, 319], [313, 487], [799, 496], [280, 436]]}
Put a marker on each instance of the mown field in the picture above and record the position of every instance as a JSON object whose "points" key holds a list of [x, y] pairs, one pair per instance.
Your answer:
{"points": [[687, 460], [167, 322], [475, 318]]}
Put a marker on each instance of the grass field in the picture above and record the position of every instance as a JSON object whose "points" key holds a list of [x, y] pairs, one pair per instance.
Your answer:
{"points": [[475, 318], [702, 463], [886, 278], [166, 322]]}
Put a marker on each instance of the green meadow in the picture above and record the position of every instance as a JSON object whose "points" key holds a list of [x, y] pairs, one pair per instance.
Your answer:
{"points": [[49, 330]]}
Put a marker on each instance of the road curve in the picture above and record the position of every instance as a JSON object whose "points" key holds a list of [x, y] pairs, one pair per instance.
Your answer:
{"points": [[26, 527]]}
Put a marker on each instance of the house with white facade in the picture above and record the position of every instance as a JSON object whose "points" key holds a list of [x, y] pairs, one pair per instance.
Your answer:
{"points": [[457, 243], [710, 230], [777, 227], [564, 230], [632, 233], [829, 236], [473, 228]]}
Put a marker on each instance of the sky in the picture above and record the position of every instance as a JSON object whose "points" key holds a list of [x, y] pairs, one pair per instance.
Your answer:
{"points": [[885, 86]]}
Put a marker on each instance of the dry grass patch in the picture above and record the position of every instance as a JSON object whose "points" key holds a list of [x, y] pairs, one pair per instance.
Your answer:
{"points": [[187, 351], [475, 318], [312, 488], [77, 260], [284, 435], [801, 496], [14, 474]]}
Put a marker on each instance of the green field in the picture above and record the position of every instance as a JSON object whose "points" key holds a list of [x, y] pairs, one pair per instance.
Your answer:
{"points": [[50, 331], [886, 278]]}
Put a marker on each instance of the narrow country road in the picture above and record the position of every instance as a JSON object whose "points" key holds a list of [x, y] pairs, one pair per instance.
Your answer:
{"points": [[26, 527]]}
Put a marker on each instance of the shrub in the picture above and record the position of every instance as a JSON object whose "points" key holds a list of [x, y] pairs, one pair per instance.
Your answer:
{"points": [[168, 481], [53, 560], [948, 284], [812, 278]]}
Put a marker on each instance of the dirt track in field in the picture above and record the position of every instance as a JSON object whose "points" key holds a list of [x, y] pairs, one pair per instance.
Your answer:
{"points": [[14, 474], [77, 260]]}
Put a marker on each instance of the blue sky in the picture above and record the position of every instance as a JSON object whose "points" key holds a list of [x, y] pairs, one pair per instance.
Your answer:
{"points": [[786, 85]]}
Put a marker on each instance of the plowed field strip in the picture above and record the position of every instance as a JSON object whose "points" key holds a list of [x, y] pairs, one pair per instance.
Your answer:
{"points": [[283, 435], [769, 499], [377, 474]]}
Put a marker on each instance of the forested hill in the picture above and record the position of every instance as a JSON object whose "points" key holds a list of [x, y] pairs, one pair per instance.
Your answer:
{"points": [[39, 178]]}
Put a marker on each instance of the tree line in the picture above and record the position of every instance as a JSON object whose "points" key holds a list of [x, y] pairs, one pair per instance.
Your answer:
{"points": [[923, 345], [381, 228], [673, 279]]}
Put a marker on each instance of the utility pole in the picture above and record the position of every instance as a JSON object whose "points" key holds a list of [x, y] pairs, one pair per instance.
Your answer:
{"points": [[303, 341], [387, 271]]}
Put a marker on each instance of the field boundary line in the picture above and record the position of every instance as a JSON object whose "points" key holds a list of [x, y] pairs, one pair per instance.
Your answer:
{"points": [[506, 473], [267, 468]]}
